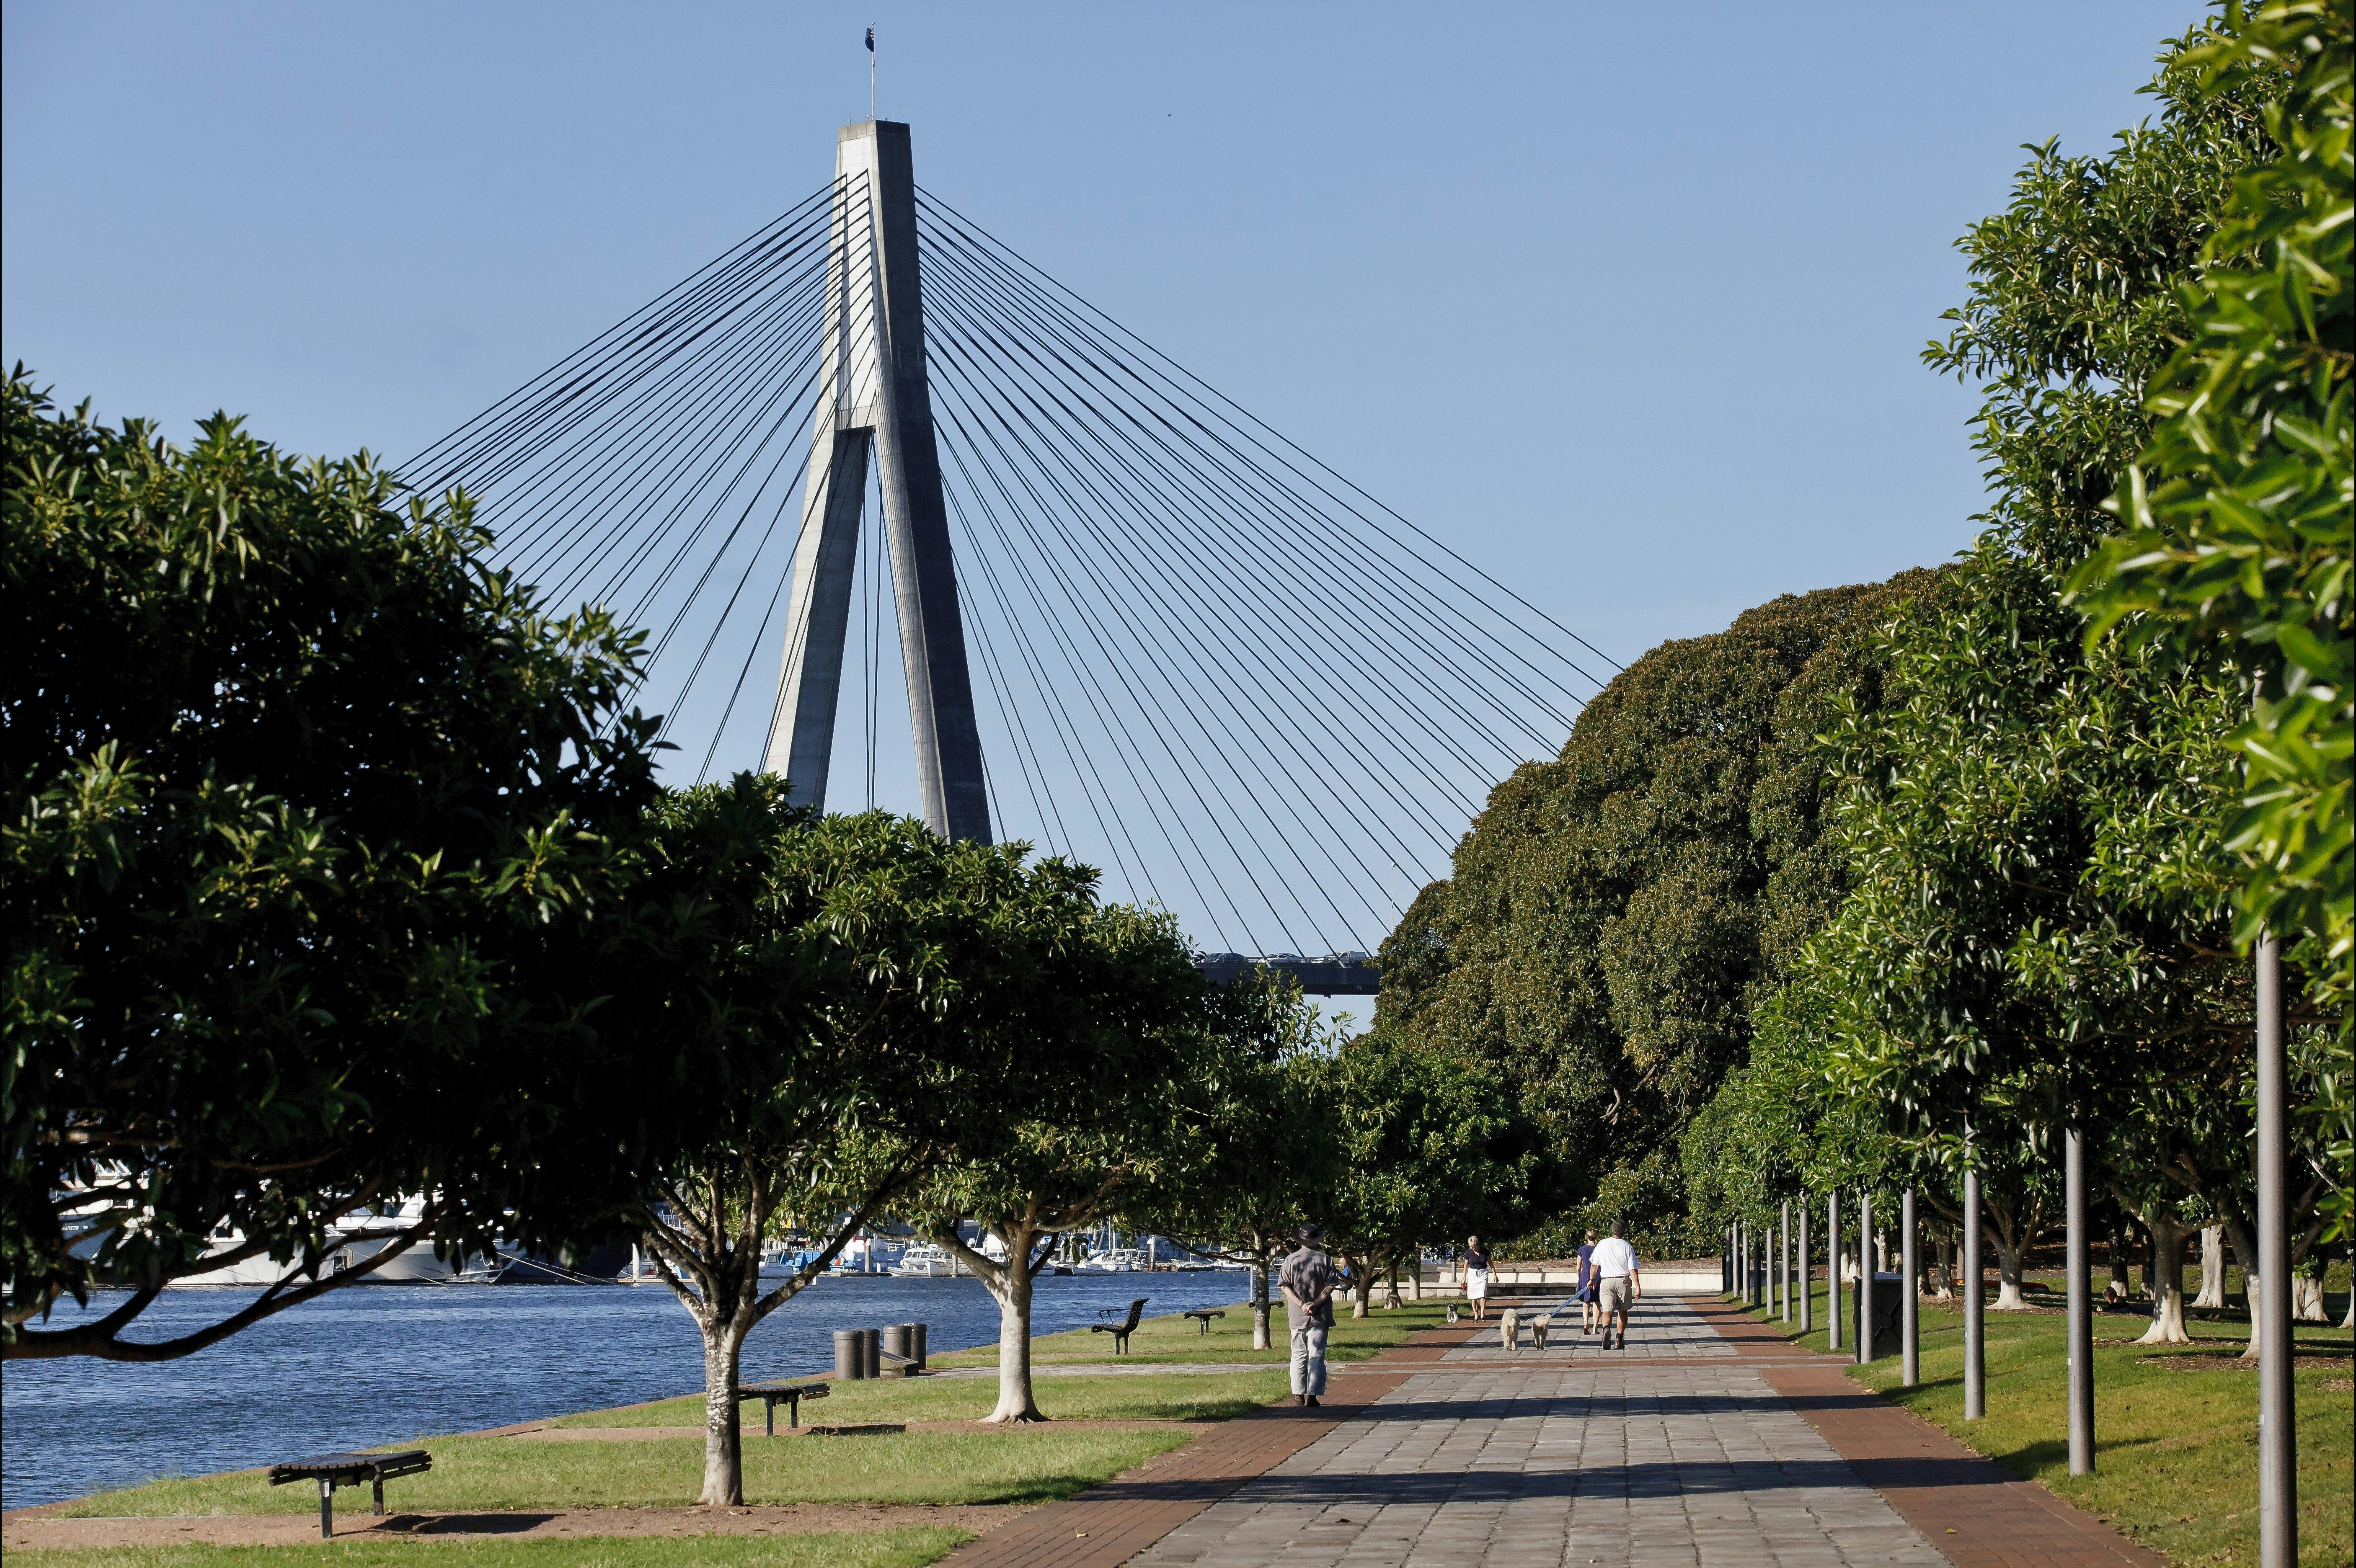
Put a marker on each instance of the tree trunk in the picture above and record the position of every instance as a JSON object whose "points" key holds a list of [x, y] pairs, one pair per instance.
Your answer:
{"points": [[2306, 1298], [2243, 1240], [1260, 1297], [2007, 1271], [1014, 1293], [2165, 1281], [1390, 1288], [2212, 1267], [1414, 1278], [723, 1449], [1362, 1286], [1009, 1284], [1947, 1267], [2117, 1289]]}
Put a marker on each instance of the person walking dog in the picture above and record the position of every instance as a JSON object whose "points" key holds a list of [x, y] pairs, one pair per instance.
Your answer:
{"points": [[1583, 1286], [1308, 1279], [1618, 1284], [1476, 1277]]}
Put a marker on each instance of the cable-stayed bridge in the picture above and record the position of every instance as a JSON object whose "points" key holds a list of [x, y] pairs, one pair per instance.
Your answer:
{"points": [[1135, 625]]}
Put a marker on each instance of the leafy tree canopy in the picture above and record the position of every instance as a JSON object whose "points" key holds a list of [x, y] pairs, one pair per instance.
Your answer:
{"points": [[314, 869], [1615, 914]]}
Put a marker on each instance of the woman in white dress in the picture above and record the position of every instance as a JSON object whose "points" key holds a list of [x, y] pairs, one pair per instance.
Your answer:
{"points": [[1476, 1277]]}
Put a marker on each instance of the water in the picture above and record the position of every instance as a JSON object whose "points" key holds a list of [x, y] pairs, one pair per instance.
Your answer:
{"points": [[379, 1364]]}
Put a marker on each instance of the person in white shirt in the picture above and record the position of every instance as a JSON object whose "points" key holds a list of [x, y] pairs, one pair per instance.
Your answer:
{"points": [[1618, 1284]]}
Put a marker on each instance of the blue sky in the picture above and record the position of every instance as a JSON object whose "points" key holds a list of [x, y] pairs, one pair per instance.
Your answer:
{"points": [[1624, 302]]}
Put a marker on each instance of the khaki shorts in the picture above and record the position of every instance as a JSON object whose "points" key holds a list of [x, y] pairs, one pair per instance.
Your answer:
{"points": [[1616, 1294]]}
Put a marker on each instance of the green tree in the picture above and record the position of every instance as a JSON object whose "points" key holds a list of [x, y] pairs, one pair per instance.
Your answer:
{"points": [[876, 992], [315, 875], [1268, 1148], [1128, 1049], [2039, 922], [2237, 511], [1429, 1144], [1615, 915]]}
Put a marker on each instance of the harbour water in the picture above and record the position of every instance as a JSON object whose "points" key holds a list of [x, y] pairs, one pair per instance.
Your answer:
{"points": [[372, 1365]]}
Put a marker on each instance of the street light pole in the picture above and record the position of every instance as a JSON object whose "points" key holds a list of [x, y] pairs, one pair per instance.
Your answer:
{"points": [[1864, 1278], [2081, 1310], [1832, 1269], [1909, 1336], [2277, 1432], [1783, 1271], [1975, 1312], [1807, 1293]]}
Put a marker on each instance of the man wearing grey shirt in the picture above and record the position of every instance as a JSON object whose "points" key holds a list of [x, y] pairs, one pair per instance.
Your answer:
{"points": [[1309, 1279]]}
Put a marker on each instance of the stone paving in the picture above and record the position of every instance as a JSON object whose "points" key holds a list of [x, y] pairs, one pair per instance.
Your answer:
{"points": [[1674, 1451], [1660, 1326]]}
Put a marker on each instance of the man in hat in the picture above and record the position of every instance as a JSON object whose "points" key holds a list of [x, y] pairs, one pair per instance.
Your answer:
{"points": [[1309, 1279]]}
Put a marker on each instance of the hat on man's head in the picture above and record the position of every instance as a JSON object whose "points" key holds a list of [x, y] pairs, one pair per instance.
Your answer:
{"points": [[1312, 1235]]}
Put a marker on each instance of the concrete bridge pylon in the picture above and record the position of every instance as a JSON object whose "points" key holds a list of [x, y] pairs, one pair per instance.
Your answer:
{"points": [[874, 401]]}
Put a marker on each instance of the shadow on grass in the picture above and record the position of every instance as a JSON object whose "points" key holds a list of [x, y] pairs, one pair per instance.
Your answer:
{"points": [[2048, 1454], [464, 1524]]}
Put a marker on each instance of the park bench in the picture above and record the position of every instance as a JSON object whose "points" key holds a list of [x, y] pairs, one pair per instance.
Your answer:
{"points": [[1121, 1331], [1203, 1315], [791, 1393], [333, 1471]]}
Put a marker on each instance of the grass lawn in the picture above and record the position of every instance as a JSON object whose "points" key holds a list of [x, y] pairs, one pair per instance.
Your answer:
{"points": [[883, 1549], [1177, 1338], [2175, 1444], [984, 1465], [1178, 1396], [470, 1474]]}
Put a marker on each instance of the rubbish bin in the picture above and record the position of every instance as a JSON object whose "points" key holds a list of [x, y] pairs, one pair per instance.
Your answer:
{"points": [[849, 1355], [1886, 1308], [917, 1340], [872, 1351], [898, 1359]]}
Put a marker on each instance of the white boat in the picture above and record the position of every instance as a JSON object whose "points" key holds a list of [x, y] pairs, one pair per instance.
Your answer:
{"points": [[1117, 1260], [926, 1260], [862, 1255], [362, 1235]]}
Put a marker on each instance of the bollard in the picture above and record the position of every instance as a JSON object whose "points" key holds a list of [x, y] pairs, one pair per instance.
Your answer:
{"points": [[897, 1356], [871, 1352], [850, 1356]]}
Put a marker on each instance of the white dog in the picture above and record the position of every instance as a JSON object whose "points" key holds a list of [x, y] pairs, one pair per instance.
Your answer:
{"points": [[1509, 1329]]}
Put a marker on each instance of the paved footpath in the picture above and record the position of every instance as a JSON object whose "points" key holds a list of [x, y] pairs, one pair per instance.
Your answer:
{"points": [[1708, 1441]]}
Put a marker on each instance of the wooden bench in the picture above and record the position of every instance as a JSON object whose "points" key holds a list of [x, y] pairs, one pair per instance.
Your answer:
{"points": [[791, 1393], [1203, 1315], [1121, 1331], [333, 1471]]}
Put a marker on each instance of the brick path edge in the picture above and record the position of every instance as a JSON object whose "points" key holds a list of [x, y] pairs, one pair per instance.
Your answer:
{"points": [[1107, 1525], [1935, 1483]]}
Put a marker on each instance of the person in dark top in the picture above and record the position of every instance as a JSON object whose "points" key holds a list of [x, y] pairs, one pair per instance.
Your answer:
{"points": [[1476, 1277], [1309, 1279], [1584, 1289]]}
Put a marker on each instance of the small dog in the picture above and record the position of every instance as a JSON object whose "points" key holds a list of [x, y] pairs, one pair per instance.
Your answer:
{"points": [[1509, 1329], [1451, 1314], [1539, 1326]]}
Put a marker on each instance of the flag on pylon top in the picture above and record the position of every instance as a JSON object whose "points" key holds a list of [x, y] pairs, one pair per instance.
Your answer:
{"points": [[871, 40]]}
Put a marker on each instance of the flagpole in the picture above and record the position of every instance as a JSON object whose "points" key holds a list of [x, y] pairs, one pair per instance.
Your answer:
{"points": [[871, 73]]}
